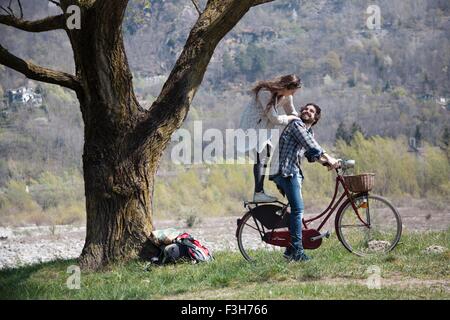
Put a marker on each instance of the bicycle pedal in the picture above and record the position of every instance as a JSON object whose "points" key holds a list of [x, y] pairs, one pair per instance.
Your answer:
{"points": [[322, 235]]}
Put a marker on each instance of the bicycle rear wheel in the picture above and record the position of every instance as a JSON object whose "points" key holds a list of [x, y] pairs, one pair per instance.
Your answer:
{"points": [[383, 233], [250, 233]]}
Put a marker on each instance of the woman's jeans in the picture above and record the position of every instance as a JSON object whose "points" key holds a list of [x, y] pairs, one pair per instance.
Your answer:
{"points": [[292, 186]]}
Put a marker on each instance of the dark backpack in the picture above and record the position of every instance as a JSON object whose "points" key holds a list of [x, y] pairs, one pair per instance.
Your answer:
{"points": [[185, 247]]}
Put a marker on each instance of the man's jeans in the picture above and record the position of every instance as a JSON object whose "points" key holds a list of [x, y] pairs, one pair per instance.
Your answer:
{"points": [[292, 186]]}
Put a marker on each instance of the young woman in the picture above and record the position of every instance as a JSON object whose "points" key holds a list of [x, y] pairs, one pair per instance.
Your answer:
{"points": [[264, 113]]}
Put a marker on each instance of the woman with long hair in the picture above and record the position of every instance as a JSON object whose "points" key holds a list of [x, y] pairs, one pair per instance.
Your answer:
{"points": [[264, 113]]}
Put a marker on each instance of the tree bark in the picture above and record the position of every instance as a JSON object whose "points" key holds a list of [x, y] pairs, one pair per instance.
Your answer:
{"points": [[119, 184], [123, 142], [118, 172]]}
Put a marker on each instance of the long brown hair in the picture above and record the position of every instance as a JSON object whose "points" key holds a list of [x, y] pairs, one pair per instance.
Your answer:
{"points": [[290, 81]]}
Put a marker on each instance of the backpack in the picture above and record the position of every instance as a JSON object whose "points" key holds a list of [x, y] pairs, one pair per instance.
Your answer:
{"points": [[185, 247]]}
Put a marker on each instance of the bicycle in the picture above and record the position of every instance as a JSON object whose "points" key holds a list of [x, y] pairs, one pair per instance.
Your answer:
{"points": [[365, 224]]}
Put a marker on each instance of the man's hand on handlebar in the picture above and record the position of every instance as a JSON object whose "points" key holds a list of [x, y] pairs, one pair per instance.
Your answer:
{"points": [[330, 162], [334, 163]]}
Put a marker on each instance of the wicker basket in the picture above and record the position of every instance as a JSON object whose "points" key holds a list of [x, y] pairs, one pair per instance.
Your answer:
{"points": [[360, 183]]}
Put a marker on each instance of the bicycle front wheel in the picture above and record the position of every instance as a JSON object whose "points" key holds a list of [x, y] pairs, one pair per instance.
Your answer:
{"points": [[375, 230], [250, 234]]}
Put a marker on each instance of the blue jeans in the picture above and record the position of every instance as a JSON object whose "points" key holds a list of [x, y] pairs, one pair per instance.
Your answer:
{"points": [[292, 186]]}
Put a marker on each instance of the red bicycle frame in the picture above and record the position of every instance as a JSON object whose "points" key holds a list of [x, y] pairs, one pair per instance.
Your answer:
{"points": [[281, 238], [332, 206]]}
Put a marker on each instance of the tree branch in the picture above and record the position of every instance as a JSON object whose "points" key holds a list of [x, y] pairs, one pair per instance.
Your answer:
{"points": [[9, 7], [258, 2], [55, 3], [20, 8], [10, 12], [172, 105], [197, 7], [38, 73], [7, 12], [46, 24]]}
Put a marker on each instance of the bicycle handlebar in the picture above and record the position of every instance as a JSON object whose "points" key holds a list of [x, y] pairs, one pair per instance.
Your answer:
{"points": [[344, 164]]}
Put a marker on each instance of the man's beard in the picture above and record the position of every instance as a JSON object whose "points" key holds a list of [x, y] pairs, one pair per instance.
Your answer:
{"points": [[307, 121]]}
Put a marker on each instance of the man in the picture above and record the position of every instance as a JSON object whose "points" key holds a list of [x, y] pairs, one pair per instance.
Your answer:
{"points": [[296, 138]]}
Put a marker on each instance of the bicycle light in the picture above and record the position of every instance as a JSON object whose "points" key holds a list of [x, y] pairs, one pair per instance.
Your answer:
{"points": [[347, 164]]}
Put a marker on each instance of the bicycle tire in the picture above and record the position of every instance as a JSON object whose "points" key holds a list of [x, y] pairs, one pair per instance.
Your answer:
{"points": [[388, 214], [253, 245]]}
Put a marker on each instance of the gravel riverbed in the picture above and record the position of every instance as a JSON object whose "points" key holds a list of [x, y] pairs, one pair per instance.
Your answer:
{"points": [[28, 245]]}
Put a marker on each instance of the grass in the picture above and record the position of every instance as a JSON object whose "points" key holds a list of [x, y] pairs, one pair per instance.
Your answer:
{"points": [[406, 273]]}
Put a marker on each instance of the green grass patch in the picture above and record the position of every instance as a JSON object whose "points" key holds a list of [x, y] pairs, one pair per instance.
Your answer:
{"points": [[333, 273]]}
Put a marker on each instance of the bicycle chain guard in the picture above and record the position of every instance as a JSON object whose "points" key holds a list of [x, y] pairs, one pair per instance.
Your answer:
{"points": [[283, 238]]}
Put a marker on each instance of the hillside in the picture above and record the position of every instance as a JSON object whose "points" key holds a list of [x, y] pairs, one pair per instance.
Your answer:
{"points": [[393, 82]]}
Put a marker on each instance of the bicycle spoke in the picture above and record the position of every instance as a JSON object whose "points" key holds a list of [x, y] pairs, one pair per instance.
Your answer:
{"points": [[384, 231], [252, 227], [251, 242], [354, 225]]}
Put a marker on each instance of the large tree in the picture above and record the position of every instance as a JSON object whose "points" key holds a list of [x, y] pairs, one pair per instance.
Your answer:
{"points": [[123, 142]]}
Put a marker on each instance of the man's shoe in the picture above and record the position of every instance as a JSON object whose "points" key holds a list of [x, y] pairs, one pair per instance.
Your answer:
{"points": [[262, 197], [287, 254], [300, 256]]}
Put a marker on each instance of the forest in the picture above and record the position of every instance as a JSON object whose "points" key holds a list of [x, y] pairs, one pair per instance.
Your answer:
{"points": [[385, 96]]}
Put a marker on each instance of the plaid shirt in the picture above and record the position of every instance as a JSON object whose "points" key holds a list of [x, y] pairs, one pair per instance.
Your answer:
{"points": [[293, 141]]}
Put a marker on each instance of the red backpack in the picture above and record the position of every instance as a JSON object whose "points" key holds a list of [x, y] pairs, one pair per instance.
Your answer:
{"points": [[194, 249]]}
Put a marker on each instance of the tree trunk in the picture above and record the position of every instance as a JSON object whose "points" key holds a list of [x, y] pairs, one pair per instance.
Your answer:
{"points": [[118, 170], [119, 184], [123, 142]]}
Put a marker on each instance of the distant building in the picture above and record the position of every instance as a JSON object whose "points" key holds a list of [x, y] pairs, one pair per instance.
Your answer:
{"points": [[444, 102], [24, 96]]}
